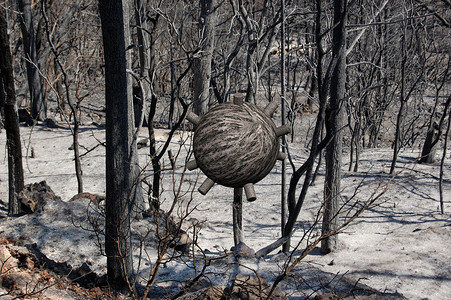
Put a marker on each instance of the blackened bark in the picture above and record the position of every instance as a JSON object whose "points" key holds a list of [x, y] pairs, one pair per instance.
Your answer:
{"points": [[442, 163], [295, 206], [119, 145], [283, 198], [38, 105], [433, 136], [147, 34], [334, 124], [429, 148], [2, 105], [73, 107], [155, 203], [202, 62], [15, 169]]}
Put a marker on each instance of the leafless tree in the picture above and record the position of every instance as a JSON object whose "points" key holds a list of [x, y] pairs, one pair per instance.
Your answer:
{"points": [[74, 107], [201, 64], [412, 57], [349, 210], [306, 169], [334, 124], [38, 105], [437, 76], [15, 169], [366, 104], [121, 152], [442, 163]]}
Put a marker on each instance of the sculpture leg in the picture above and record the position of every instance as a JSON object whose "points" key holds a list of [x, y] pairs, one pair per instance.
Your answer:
{"points": [[238, 236], [206, 186], [250, 192]]}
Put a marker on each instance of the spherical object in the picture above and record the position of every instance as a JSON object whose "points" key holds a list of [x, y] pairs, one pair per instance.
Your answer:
{"points": [[235, 144]]}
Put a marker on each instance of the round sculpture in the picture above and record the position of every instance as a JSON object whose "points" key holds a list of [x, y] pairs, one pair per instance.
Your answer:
{"points": [[236, 145]]}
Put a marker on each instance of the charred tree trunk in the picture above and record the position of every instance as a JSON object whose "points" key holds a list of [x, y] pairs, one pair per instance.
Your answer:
{"points": [[2, 105], [173, 87], [283, 199], [433, 136], [256, 53], [74, 107], [413, 62], [147, 31], [38, 105], [15, 169], [442, 162], [155, 203], [399, 126], [334, 124], [120, 145], [202, 62], [295, 206], [429, 147]]}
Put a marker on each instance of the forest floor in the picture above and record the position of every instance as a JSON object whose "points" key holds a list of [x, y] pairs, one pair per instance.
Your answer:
{"points": [[398, 247]]}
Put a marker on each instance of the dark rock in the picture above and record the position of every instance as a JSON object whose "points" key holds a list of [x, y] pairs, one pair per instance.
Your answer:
{"points": [[182, 242], [25, 117], [143, 143], [50, 123], [35, 196]]}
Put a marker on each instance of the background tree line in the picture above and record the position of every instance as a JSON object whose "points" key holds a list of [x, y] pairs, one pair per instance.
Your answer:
{"points": [[205, 51]]}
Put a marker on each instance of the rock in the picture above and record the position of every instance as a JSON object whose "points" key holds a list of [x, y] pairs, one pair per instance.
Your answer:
{"points": [[35, 196], [50, 123], [7, 261], [143, 143], [183, 242], [25, 259], [25, 117], [17, 282], [84, 276]]}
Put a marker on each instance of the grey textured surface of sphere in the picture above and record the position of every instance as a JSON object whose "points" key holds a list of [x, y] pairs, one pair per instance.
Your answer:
{"points": [[235, 144]]}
